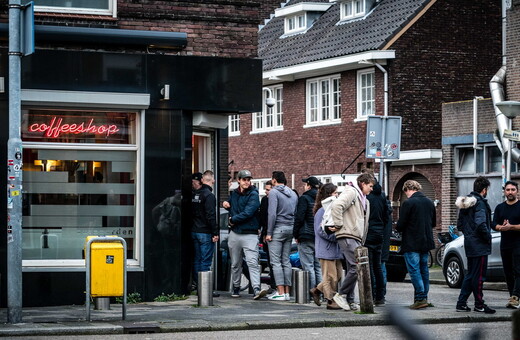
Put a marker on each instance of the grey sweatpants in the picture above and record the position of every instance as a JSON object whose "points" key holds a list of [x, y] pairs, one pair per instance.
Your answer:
{"points": [[279, 251], [241, 245], [348, 246]]}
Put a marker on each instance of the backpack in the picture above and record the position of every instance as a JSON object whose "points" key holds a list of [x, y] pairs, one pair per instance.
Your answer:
{"points": [[170, 218]]}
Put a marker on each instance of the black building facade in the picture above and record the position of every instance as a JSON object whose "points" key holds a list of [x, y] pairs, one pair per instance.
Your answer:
{"points": [[106, 138]]}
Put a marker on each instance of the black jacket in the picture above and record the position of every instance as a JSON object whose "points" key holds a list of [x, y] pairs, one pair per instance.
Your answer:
{"points": [[416, 221], [203, 208], [262, 216], [303, 229], [475, 222], [387, 233], [378, 217]]}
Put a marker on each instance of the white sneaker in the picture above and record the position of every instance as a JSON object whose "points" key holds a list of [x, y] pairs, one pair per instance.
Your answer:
{"points": [[353, 306], [287, 297], [277, 297], [340, 300]]}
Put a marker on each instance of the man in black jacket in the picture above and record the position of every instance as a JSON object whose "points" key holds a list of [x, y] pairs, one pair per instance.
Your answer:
{"points": [[475, 222], [376, 226], [303, 230], [416, 221], [204, 232]]}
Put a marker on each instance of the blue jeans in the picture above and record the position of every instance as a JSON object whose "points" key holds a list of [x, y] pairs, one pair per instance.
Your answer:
{"points": [[383, 269], [203, 250], [310, 263], [417, 265]]}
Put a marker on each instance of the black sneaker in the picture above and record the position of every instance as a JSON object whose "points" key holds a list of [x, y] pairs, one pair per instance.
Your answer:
{"points": [[463, 308], [236, 292], [484, 309], [259, 293]]}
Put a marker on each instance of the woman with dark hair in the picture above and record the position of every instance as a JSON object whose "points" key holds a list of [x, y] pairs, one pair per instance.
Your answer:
{"points": [[327, 249]]}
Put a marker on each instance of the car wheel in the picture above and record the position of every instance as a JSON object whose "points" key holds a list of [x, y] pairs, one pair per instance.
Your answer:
{"points": [[454, 272]]}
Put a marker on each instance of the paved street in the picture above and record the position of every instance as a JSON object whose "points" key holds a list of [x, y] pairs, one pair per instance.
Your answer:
{"points": [[245, 314]]}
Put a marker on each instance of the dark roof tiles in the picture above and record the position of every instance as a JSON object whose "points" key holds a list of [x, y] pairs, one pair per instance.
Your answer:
{"points": [[328, 38]]}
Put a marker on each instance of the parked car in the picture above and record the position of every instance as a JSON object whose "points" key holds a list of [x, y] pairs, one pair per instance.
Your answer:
{"points": [[455, 262], [395, 267]]}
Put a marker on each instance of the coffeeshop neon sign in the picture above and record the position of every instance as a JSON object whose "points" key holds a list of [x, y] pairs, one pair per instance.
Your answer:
{"points": [[55, 128]]}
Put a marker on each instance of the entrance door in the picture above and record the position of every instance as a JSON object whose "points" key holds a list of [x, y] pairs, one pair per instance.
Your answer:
{"points": [[203, 155]]}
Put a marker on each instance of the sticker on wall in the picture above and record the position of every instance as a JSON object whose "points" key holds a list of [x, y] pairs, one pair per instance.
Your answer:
{"points": [[10, 203]]}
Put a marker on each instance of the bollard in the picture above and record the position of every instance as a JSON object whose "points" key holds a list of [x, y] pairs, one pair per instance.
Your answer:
{"points": [[102, 303], [366, 303], [205, 289], [302, 287], [292, 288]]}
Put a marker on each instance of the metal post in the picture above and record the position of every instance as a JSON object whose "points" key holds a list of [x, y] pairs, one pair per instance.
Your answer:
{"points": [[205, 289], [14, 161], [292, 288], [302, 287], [102, 303]]}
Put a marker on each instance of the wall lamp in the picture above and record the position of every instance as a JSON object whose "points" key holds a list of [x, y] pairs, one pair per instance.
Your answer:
{"points": [[165, 92], [269, 101]]}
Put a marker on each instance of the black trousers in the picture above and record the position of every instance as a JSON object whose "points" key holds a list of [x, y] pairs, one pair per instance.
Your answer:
{"points": [[376, 273], [511, 263], [474, 281]]}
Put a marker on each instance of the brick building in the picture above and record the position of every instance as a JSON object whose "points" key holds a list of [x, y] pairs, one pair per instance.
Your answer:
{"points": [[157, 81], [325, 64]]}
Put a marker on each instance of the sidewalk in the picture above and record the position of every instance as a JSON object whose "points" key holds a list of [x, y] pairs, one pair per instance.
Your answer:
{"points": [[238, 314]]}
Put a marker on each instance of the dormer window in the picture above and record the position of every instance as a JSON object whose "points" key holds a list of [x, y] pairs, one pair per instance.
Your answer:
{"points": [[295, 23], [300, 17], [352, 9]]}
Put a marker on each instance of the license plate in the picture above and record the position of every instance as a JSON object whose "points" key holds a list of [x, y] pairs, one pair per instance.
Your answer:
{"points": [[394, 248]]}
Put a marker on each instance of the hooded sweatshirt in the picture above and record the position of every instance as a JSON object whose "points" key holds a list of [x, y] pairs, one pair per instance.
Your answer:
{"points": [[282, 205]]}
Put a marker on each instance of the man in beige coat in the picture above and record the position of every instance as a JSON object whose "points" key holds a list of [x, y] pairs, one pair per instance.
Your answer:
{"points": [[350, 214]]}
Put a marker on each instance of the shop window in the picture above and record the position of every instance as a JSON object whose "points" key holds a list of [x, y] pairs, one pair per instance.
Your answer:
{"points": [[80, 173], [99, 7]]}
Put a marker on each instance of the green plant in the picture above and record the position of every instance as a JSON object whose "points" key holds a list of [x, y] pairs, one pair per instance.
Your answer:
{"points": [[169, 297], [130, 298]]}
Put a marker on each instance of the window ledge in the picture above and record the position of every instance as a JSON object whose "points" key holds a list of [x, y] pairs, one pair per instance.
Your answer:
{"points": [[234, 134], [336, 122], [254, 132], [360, 119], [106, 17]]}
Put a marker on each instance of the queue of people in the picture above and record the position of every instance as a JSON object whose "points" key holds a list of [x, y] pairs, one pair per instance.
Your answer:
{"points": [[327, 228]]}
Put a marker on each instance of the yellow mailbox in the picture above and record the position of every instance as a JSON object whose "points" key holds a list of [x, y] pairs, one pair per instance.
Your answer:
{"points": [[106, 268]]}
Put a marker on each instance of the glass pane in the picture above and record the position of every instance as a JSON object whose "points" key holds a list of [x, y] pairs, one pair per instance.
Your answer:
{"points": [[466, 160], [494, 159], [60, 126], [71, 194], [96, 4], [480, 161]]}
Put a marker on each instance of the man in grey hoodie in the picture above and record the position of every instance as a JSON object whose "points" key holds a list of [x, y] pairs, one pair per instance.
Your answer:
{"points": [[280, 221]]}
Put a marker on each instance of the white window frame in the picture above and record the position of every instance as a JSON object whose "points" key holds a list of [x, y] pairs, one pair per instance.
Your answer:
{"points": [[362, 90], [323, 109], [297, 21], [352, 9], [271, 118], [111, 11], [234, 125]]}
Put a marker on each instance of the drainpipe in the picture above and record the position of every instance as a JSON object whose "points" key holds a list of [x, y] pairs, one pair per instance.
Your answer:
{"points": [[383, 173], [475, 122]]}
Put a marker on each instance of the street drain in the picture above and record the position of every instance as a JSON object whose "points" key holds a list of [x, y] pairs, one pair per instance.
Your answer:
{"points": [[141, 329]]}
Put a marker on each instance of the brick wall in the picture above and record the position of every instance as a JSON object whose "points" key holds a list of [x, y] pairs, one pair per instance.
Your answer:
{"points": [[215, 28], [513, 52], [443, 60], [305, 151]]}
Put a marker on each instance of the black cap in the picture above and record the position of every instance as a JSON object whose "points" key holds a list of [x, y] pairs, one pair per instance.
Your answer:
{"points": [[197, 176], [312, 181]]}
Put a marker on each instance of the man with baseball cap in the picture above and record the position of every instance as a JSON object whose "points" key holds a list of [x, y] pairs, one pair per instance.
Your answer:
{"points": [[243, 206], [303, 231], [204, 231]]}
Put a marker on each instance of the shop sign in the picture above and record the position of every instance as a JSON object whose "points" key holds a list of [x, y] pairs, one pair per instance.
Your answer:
{"points": [[55, 128]]}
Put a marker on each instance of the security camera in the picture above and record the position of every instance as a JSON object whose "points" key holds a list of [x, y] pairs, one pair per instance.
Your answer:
{"points": [[270, 102]]}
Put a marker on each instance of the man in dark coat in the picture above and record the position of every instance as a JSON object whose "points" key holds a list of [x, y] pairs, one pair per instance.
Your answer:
{"points": [[204, 231], [303, 230], [374, 241], [416, 221], [475, 222]]}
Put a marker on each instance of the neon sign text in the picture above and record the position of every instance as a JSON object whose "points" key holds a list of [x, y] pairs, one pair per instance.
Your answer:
{"points": [[56, 127]]}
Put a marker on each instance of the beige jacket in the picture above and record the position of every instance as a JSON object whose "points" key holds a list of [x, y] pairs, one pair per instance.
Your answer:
{"points": [[349, 216]]}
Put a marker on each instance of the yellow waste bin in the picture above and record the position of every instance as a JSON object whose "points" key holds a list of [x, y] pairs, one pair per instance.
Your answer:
{"points": [[106, 268]]}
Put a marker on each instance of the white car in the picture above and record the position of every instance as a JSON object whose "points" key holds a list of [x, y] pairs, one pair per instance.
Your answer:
{"points": [[455, 262]]}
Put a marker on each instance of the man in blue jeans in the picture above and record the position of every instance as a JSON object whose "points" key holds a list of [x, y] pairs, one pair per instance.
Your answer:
{"points": [[204, 232], [416, 221]]}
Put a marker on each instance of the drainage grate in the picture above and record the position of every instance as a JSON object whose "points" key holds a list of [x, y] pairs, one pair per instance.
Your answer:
{"points": [[141, 329]]}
